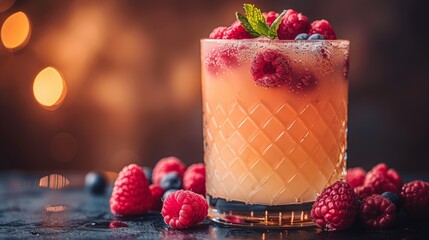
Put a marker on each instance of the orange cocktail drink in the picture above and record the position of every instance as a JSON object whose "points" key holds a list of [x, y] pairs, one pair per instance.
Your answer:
{"points": [[275, 126]]}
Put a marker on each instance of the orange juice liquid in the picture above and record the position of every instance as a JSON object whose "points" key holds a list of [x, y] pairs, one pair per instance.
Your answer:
{"points": [[274, 146]]}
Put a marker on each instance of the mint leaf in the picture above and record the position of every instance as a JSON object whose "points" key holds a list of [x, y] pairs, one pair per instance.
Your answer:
{"points": [[256, 19], [272, 33], [245, 23]]}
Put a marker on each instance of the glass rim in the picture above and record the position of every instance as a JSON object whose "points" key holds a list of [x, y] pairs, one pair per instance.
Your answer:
{"points": [[253, 40]]}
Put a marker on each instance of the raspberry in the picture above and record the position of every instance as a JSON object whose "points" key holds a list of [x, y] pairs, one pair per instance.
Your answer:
{"points": [[394, 198], [394, 177], [363, 191], [217, 33], [183, 209], [292, 24], [222, 58], [194, 178], [131, 194], [335, 208], [322, 27], [236, 31], [156, 192], [271, 69], [302, 80], [377, 212], [415, 196], [270, 17], [165, 166], [355, 176], [382, 179]]}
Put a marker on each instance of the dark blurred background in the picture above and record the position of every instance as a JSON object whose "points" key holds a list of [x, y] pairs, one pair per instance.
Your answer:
{"points": [[130, 87]]}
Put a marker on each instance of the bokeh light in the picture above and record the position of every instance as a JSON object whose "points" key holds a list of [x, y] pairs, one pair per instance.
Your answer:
{"points": [[49, 88], [54, 181], [16, 31], [63, 147], [56, 208], [5, 5]]}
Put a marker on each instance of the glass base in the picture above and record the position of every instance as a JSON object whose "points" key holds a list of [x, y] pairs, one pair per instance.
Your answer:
{"points": [[237, 213]]}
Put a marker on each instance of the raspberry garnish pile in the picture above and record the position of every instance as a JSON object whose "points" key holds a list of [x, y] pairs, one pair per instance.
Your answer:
{"points": [[288, 25], [194, 178], [131, 194], [377, 212], [293, 23], [165, 166], [324, 28], [415, 197], [270, 69], [336, 208], [355, 176], [217, 33], [236, 31], [184, 209], [270, 17]]}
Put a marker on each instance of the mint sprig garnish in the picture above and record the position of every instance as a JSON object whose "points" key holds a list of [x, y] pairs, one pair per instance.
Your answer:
{"points": [[255, 24]]}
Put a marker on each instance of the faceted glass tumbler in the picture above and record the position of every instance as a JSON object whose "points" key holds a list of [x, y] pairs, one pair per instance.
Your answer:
{"points": [[275, 127]]}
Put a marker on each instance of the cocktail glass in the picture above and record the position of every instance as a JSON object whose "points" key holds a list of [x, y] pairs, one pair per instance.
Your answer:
{"points": [[271, 147]]}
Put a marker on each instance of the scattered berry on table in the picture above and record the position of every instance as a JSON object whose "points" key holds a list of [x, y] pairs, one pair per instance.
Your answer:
{"points": [[415, 196], [382, 179], [165, 166], [355, 176], [377, 212], [271, 69], [363, 191], [302, 36], [217, 33], [315, 36], [183, 209], [395, 198], [324, 28], [131, 194], [95, 183], [171, 181], [156, 193], [335, 208], [292, 24], [194, 178]]}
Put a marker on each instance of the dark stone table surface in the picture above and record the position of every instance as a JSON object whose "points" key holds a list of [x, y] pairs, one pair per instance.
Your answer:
{"points": [[29, 211]]}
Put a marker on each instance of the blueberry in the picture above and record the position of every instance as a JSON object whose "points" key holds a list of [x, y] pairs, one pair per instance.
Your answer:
{"points": [[315, 36], [394, 198], [95, 183], [168, 193], [171, 181], [148, 173], [301, 36]]}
